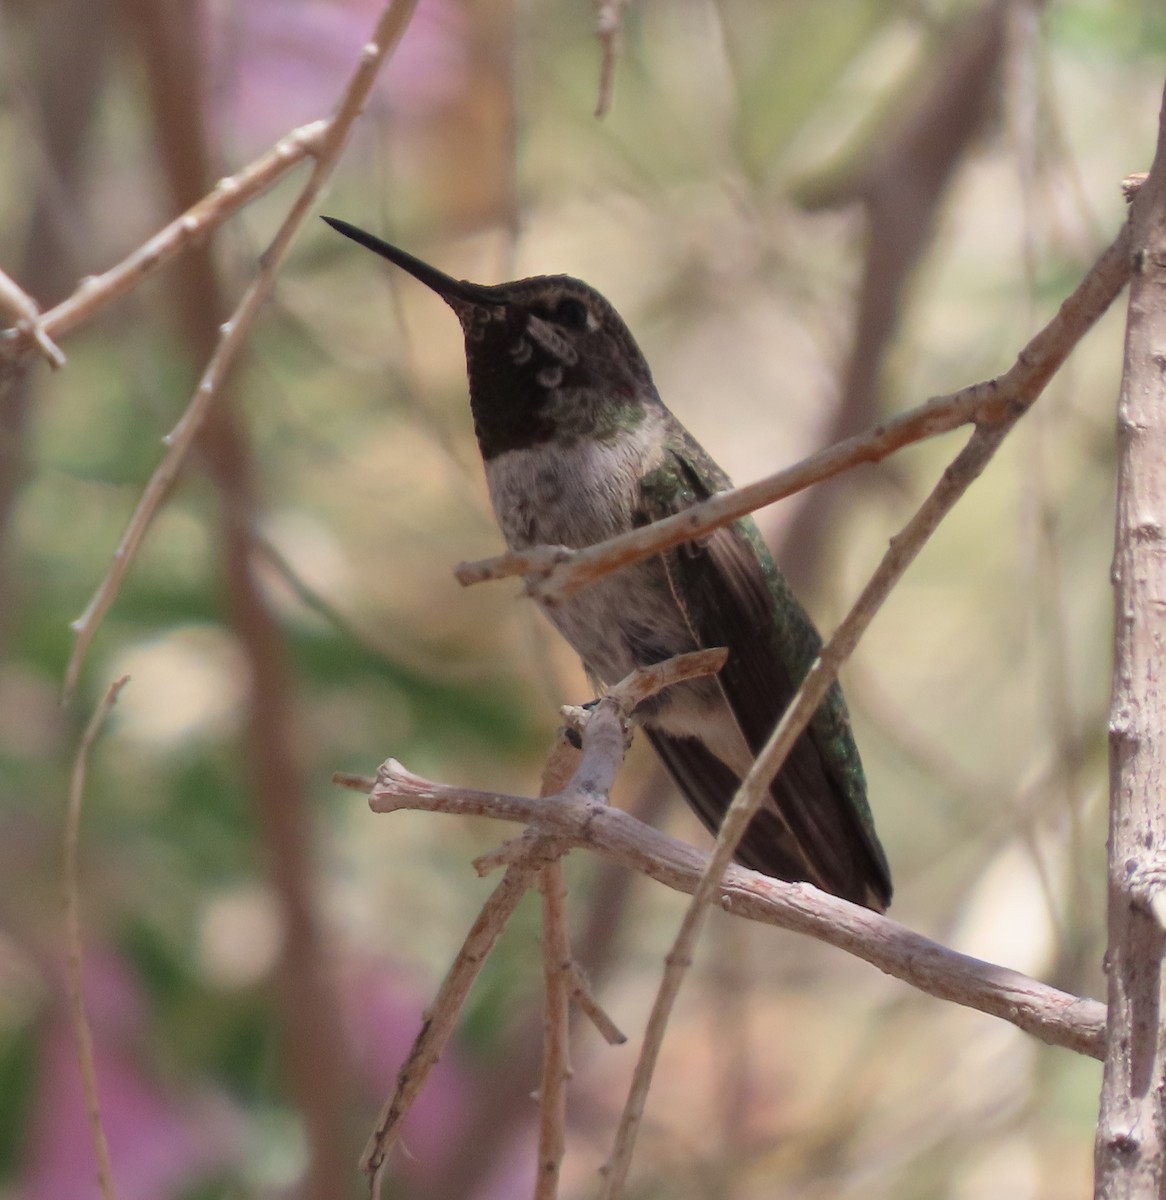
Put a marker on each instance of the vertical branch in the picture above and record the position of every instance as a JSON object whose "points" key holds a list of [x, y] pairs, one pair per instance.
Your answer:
{"points": [[552, 1133], [77, 1009], [1130, 1153]]}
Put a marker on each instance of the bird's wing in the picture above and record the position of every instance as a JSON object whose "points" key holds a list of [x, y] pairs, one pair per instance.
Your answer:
{"points": [[708, 785], [818, 822]]}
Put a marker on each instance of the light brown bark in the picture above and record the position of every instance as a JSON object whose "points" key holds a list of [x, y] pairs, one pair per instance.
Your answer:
{"points": [[1129, 1156]]}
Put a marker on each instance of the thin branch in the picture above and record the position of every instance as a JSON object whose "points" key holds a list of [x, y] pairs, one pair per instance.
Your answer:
{"points": [[582, 995], [230, 195], [1045, 1012], [441, 1019], [556, 572], [561, 766], [557, 961], [1102, 283], [609, 31], [645, 682], [77, 1010], [389, 28]]}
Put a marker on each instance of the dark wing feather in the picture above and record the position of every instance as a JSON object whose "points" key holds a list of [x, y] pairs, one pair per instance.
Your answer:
{"points": [[819, 827], [708, 785]]}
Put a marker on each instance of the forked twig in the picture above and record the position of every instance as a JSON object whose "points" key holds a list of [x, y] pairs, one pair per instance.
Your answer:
{"points": [[230, 194], [534, 855], [17, 304], [441, 1019]]}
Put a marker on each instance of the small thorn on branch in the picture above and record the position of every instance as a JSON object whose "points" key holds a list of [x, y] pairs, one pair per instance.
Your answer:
{"points": [[1131, 185]]}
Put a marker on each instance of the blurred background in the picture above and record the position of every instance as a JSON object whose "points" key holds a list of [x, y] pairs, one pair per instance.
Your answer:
{"points": [[812, 216]]}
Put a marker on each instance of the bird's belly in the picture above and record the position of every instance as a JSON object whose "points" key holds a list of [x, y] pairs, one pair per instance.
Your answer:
{"points": [[631, 620], [582, 495]]}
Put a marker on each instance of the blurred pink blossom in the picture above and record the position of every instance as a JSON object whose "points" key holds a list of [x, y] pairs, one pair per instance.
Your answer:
{"points": [[159, 1145], [275, 64]]}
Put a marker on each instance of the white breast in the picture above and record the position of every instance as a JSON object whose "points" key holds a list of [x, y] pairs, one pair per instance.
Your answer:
{"points": [[571, 495]]}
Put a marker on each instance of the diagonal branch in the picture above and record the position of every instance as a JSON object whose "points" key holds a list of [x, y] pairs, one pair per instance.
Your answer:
{"points": [[228, 197], [1045, 1012], [556, 572], [1032, 371], [17, 304]]}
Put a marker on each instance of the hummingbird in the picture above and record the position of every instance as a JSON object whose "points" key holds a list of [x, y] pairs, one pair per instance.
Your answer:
{"points": [[578, 447]]}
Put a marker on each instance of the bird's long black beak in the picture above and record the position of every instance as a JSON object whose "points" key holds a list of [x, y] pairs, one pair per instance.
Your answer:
{"points": [[455, 292]]}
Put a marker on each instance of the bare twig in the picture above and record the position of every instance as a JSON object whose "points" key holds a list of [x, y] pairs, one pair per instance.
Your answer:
{"points": [[562, 764], [609, 31], [229, 196], [1100, 286], [644, 682], [441, 1019], [1045, 1012], [73, 936], [558, 571], [536, 853], [582, 995], [389, 28]]}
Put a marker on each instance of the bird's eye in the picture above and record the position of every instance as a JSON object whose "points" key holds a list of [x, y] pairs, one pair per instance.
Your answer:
{"points": [[570, 313]]}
